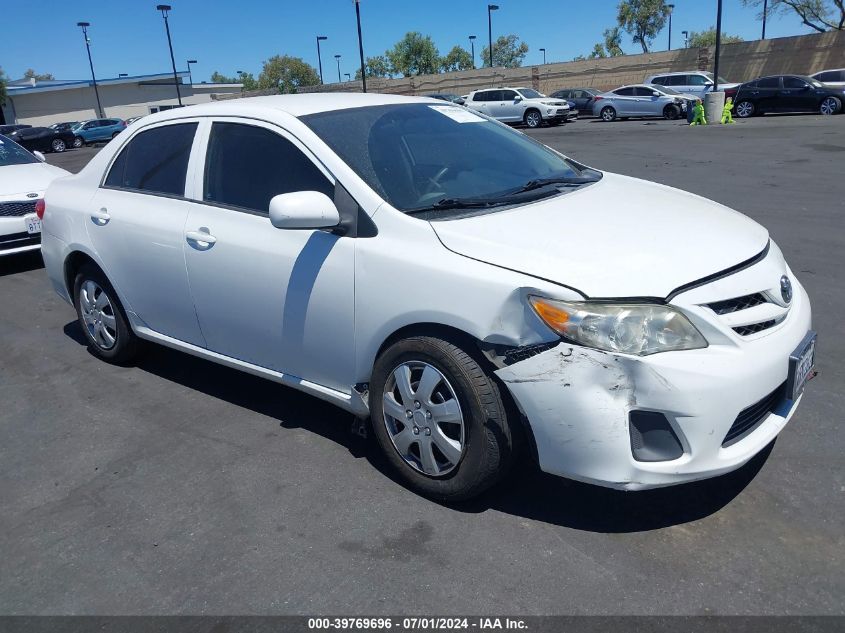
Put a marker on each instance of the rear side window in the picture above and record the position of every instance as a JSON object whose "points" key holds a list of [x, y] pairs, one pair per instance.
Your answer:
{"points": [[246, 166], [831, 75], [660, 81], [625, 92], [480, 96], [155, 161]]}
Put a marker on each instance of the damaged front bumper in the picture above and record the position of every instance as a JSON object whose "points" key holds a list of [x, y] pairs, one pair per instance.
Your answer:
{"points": [[580, 403]]}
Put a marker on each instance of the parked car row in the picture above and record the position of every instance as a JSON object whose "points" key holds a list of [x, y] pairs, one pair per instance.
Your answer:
{"points": [[61, 136]]}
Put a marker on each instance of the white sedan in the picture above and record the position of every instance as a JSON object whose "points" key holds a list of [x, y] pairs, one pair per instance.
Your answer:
{"points": [[23, 179], [468, 288]]}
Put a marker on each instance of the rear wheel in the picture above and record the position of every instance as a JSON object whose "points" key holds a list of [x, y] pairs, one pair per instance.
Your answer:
{"points": [[58, 145], [608, 114], [745, 109], [831, 105], [102, 317], [533, 118], [115, 134], [440, 419]]}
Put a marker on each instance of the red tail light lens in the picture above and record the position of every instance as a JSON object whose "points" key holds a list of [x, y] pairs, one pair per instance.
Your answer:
{"points": [[597, 98], [40, 207]]}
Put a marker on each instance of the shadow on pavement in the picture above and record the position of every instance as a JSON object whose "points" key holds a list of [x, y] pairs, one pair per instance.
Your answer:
{"points": [[526, 492], [24, 262]]}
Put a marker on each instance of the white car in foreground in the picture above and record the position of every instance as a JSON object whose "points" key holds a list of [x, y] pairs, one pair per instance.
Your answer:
{"points": [[453, 279], [23, 179]]}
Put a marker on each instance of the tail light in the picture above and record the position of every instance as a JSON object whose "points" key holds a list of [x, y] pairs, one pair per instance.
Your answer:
{"points": [[40, 207], [597, 98]]}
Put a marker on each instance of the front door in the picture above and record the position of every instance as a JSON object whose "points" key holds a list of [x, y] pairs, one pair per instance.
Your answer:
{"points": [[280, 299], [136, 222], [797, 95], [508, 108]]}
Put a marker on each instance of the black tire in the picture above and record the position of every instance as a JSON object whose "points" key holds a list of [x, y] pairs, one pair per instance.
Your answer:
{"points": [[745, 109], [608, 114], [115, 134], [533, 118], [58, 145], [830, 105], [78, 142], [126, 344], [488, 444], [671, 112]]}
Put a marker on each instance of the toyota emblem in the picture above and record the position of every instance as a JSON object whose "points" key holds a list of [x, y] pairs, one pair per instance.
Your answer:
{"points": [[786, 289]]}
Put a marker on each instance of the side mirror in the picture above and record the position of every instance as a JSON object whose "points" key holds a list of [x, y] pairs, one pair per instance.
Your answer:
{"points": [[709, 84], [460, 101], [39, 156], [655, 94], [517, 99], [303, 210]]}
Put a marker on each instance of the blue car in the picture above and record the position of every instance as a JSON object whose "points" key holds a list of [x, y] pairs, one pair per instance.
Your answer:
{"points": [[98, 130]]}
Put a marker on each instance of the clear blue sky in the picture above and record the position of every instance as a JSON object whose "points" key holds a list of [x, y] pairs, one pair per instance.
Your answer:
{"points": [[128, 36]]}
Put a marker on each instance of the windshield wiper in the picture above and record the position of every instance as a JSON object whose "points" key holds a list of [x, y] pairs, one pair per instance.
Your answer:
{"points": [[457, 203], [539, 183]]}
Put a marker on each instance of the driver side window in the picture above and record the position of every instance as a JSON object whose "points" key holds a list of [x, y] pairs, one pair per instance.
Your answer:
{"points": [[246, 165]]}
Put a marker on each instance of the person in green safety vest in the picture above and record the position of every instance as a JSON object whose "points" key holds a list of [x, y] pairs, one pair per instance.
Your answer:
{"points": [[727, 117], [698, 114]]}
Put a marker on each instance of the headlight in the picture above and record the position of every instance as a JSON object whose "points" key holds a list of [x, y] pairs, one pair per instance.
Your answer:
{"points": [[629, 328]]}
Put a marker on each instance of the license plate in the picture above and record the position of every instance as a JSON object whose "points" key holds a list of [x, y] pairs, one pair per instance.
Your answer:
{"points": [[33, 224], [801, 364]]}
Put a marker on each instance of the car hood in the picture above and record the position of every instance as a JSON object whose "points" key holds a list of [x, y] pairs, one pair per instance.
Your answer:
{"points": [[30, 178], [619, 237]]}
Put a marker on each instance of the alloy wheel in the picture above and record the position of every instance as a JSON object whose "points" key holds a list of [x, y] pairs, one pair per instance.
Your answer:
{"points": [[423, 418], [533, 119], [745, 109], [77, 142], [58, 145], [98, 314], [829, 106], [608, 114]]}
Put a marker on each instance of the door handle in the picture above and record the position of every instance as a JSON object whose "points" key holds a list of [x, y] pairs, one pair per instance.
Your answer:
{"points": [[202, 239], [101, 217]]}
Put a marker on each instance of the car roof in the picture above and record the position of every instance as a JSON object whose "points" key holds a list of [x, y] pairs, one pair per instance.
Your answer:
{"points": [[829, 70], [294, 104], [681, 72]]}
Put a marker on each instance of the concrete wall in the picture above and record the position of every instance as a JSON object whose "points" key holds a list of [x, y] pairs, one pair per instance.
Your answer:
{"points": [[120, 100], [804, 54]]}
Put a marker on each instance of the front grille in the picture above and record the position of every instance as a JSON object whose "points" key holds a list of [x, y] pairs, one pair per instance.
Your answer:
{"points": [[737, 304], [751, 417], [16, 208], [747, 330], [18, 240]]}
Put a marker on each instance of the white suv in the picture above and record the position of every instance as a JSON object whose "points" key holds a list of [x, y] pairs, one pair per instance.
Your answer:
{"points": [[415, 262], [519, 105], [694, 82]]}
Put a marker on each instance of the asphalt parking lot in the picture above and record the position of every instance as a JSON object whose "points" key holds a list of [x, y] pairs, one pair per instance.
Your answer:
{"points": [[178, 486]]}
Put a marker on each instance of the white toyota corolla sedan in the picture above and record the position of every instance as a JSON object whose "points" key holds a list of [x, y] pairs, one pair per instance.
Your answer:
{"points": [[460, 283]]}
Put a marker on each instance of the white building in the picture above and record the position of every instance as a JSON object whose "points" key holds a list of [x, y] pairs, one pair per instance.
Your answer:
{"points": [[42, 103]]}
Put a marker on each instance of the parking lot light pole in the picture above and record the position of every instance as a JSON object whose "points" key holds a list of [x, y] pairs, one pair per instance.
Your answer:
{"points": [[337, 57], [543, 50], [472, 48], [765, 11], [686, 36], [671, 8], [164, 8], [320, 38], [190, 74], [85, 26], [718, 45], [361, 46], [490, 9], [119, 75]]}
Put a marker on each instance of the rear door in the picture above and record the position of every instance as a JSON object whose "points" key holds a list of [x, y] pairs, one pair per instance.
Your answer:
{"points": [[767, 94], [280, 299], [624, 101], [137, 224]]}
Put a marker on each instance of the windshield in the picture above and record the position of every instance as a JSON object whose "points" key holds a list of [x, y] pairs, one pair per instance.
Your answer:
{"points": [[13, 154], [722, 80], [528, 93], [418, 156], [667, 90]]}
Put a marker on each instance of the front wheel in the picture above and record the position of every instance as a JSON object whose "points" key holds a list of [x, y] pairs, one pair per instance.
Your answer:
{"points": [[533, 119], [439, 418], [102, 318], [608, 114], [671, 112], [58, 145], [831, 105], [78, 142], [745, 109]]}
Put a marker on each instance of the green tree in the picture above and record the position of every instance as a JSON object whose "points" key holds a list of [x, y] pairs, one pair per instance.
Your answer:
{"points": [[285, 74], [219, 78], [3, 80], [508, 51], [611, 47], [31, 74], [708, 38], [821, 15], [598, 52], [247, 80], [579, 58], [643, 19], [414, 54], [457, 59], [377, 66]]}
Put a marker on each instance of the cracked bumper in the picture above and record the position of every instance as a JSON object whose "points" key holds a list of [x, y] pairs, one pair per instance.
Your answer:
{"points": [[577, 402]]}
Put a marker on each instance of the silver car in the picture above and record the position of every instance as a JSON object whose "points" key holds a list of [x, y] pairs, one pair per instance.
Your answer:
{"points": [[831, 77], [641, 100]]}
